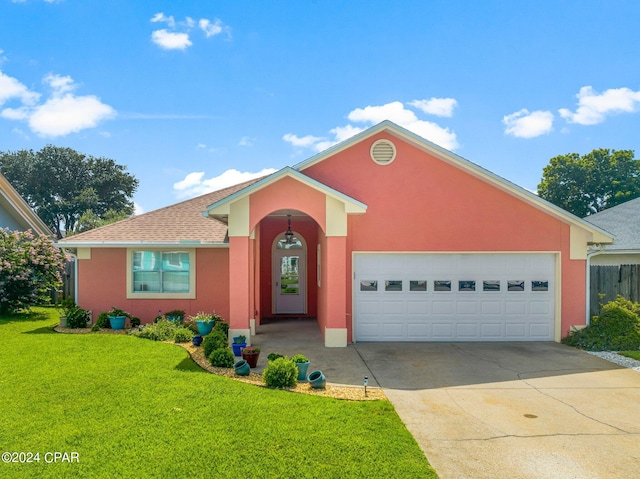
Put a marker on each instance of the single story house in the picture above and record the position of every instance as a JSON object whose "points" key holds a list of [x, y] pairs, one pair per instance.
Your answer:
{"points": [[16, 214], [623, 223], [383, 237]]}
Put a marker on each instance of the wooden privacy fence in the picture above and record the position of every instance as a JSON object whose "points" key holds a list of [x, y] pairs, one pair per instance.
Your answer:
{"points": [[609, 281]]}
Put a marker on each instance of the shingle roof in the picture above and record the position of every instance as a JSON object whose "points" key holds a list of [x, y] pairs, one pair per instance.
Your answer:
{"points": [[182, 222], [623, 222]]}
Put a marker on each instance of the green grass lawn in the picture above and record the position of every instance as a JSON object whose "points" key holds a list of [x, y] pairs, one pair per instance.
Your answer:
{"points": [[631, 354], [130, 407]]}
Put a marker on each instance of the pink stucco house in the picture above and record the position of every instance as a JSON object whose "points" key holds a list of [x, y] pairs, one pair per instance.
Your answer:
{"points": [[383, 237]]}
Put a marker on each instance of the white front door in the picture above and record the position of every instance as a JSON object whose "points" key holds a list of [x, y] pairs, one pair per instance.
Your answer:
{"points": [[289, 281]]}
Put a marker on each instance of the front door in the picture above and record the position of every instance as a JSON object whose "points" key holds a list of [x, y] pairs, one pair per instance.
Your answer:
{"points": [[289, 279]]}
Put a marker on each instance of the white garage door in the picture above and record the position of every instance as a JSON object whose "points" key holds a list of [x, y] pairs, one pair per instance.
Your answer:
{"points": [[454, 297]]}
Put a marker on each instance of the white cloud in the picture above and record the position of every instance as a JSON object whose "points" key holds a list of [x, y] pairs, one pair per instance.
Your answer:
{"points": [[193, 184], [210, 29], [525, 124], [161, 17], [177, 36], [62, 113], [394, 111], [11, 88], [304, 142], [593, 107], [137, 209], [246, 141], [436, 106], [171, 40]]}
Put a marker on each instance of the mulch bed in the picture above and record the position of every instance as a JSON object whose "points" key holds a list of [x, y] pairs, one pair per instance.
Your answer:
{"points": [[350, 393]]}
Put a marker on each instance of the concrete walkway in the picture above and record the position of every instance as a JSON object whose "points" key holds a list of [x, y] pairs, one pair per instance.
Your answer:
{"points": [[492, 410]]}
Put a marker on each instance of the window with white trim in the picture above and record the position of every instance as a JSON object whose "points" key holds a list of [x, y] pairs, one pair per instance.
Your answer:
{"points": [[160, 271]]}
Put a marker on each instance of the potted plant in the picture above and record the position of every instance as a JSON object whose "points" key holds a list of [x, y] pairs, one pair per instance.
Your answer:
{"points": [[204, 322], [250, 355], [239, 342], [302, 363], [117, 318], [175, 315], [196, 340]]}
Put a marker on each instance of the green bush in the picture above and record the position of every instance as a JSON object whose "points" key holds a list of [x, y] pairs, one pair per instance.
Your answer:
{"points": [[76, 317], [280, 373], [161, 331], [299, 358], [222, 358], [182, 335], [135, 321], [274, 356], [222, 327], [616, 329], [212, 341], [103, 321]]}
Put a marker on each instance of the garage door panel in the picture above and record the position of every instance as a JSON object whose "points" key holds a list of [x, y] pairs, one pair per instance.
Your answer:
{"points": [[480, 297]]}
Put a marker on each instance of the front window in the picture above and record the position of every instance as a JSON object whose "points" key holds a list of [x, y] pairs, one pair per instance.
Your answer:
{"points": [[161, 271]]}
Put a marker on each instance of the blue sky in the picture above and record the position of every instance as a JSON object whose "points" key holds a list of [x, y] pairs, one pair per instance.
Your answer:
{"points": [[195, 95]]}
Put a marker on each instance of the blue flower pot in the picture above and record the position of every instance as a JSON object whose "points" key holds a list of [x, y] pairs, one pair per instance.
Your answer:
{"points": [[178, 319], [237, 348], [302, 370], [197, 340], [117, 322], [242, 368], [317, 380], [204, 327]]}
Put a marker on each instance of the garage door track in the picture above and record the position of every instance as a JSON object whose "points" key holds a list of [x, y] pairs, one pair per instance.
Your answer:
{"points": [[513, 410]]}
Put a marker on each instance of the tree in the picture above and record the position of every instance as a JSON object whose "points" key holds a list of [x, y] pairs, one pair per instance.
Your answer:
{"points": [[61, 185], [29, 268], [586, 184]]}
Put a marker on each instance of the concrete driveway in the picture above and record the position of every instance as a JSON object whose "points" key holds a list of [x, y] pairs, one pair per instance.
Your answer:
{"points": [[513, 410]]}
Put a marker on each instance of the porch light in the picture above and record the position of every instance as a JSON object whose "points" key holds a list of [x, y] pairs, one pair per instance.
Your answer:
{"points": [[289, 234]]}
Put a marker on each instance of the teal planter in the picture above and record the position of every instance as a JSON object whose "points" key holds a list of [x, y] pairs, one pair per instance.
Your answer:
{"points": [[178, 319], [204, 327], [317, 380], [242, 368], [117, 322], [302, 370]]}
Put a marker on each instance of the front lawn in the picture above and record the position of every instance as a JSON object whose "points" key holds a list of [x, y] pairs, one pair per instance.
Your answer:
{"points": [[631, 354], [135, 408]]}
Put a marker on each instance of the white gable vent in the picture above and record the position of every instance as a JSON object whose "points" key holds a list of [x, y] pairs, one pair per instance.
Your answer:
{"points": [[383, 152]]}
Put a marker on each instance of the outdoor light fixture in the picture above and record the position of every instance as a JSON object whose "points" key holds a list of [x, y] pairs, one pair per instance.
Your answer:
{"points": [[289, 234]]}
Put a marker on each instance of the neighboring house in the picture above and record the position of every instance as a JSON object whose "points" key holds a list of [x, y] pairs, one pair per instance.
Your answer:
{"points": [[623, 222], [15, 212], [383, 237], [615, 268]]}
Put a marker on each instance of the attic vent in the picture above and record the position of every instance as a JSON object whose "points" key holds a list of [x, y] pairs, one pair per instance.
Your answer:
{"points": [[383, 152]]}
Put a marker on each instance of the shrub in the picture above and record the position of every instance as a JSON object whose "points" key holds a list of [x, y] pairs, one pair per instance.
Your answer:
{"points": [[299, 358], [30, 267], [222, 358], [103, 321], [616, 329], [135, 321], [274, 356], [280, 373], [182, 335], [161, 331], [76, 317], [222, 327], [212, 341]]}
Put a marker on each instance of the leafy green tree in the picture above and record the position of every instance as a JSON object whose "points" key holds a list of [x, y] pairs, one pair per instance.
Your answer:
{"points": [[586, 184], [30, 267], [61, 185]]}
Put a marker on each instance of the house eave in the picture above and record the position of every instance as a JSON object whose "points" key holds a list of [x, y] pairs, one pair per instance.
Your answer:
{"points": [[138, 244]]}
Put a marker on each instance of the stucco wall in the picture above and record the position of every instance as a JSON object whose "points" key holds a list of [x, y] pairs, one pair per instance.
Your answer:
{"points": [[421, 203], [103, 285]]}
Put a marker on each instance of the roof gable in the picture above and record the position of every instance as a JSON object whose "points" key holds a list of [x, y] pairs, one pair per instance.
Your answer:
{"points": [[597, 234], [18, 209]]}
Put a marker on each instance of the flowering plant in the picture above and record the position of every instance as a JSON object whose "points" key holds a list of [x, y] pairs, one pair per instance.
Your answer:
{"points": [[30, 267]]}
